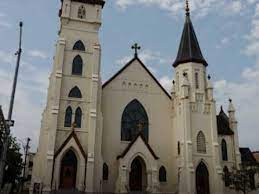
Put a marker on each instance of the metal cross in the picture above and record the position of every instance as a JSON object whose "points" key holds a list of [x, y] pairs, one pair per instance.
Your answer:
{"points": [[136, 47]]}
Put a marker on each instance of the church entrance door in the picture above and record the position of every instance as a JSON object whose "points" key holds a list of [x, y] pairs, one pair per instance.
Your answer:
{"points": [[68, 171], [202, 179], [137, 177]]}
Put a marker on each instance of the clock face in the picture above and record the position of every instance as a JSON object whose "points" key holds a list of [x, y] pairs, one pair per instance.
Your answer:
{"points": [[134, 121]]}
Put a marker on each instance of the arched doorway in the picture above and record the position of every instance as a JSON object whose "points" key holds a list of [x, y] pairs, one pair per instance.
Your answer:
{"points": [[202, 179], [68, 171], [137, 176]]}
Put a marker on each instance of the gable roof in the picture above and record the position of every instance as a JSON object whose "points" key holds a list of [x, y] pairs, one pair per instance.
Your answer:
{"points": [[223, 124], [72, 135], [142, 64], [189, 49], [132, 143]]}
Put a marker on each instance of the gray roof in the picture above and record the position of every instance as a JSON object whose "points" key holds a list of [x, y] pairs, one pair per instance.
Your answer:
{"points": [[189, 49]]}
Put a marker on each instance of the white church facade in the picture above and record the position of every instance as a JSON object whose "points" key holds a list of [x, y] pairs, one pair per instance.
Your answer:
{"points": [[129, 134]]}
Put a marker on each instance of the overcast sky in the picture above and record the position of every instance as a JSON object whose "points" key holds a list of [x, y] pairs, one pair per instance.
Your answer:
{"points": [[228, 32]]}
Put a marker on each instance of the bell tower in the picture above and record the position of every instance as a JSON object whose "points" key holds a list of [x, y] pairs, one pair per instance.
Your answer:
{"points": [[70, 120], [194, 118]]}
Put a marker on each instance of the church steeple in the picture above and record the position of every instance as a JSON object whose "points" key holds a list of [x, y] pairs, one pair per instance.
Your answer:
{"points": [[189, 49]]}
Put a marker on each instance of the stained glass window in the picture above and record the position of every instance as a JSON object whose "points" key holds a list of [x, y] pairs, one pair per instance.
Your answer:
{"points": [[78, 117], [201, 143], [224, 150], [68, 117], [134, 120], [79, 46], [162, 174], [77, 67], [75, 93]]}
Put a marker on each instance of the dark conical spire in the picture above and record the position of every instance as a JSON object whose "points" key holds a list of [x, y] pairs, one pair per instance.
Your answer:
{"points": [[189, 49]]}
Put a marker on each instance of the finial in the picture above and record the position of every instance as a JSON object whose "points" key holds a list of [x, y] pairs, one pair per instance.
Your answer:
{"points": [[187, 9], [221, 108], [173, 82], [136, 47], [209, 77], [230, 100]]}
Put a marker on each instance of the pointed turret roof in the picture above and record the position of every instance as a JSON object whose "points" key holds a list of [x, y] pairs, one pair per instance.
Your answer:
{"points": [[189, 49]]}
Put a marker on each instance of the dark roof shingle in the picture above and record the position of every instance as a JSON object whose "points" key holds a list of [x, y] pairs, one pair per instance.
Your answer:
{"points": [[189, 49], [223, 124]]}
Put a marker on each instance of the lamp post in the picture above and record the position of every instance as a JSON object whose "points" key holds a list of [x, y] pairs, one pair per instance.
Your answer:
{"points": [[9, 122]]}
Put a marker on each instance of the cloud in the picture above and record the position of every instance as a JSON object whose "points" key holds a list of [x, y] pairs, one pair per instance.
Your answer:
{"points": [[166, 82], [37, 54], [30, 95], [200, 8], [3, 21], [253, 36]]}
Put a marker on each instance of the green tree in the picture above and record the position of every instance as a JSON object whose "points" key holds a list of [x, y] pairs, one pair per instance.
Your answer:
{"points": [[242, 179], [14, 163]]}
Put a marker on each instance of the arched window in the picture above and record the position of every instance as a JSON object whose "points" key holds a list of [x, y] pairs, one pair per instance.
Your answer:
{"points": [[77, 67], [79, 46], [68, 117], [105, 172], [162, 174], [197, 85], [201, 143], [81, 12], [75, 93], [224, 150], [78, 117], [134, 120], [226, 176]]}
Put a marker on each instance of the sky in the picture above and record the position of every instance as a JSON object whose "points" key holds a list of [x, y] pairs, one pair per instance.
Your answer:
{"points": [[227, 30]]}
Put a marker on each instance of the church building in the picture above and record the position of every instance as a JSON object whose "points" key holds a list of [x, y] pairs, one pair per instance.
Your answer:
{"points": [[129, 134]]}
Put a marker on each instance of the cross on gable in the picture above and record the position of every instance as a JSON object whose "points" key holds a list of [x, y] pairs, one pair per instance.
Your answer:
{"points": [[136, 47]]}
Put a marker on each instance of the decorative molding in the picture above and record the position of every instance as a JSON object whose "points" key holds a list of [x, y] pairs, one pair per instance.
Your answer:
{"points": [[93, 113], [62, 41], [95, 77], [55, 109]]}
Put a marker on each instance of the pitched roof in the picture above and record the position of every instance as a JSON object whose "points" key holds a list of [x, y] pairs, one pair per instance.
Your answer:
{"points": [[223, 124], [189, 49], [142, 64], [72, 135], [247, 156], [132, 143]]}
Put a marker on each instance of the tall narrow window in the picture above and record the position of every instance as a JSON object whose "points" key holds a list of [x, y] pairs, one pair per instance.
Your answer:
{"points": [[79, 46], [75, 93], [201, 143], [162, 174], [77, 67], [134, 121], [197, 80], [224, 150], [105, 172], [81, 12], [68, 117], [78, 117], [179, 148]]}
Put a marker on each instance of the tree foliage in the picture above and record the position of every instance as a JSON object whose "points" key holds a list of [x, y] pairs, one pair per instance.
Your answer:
{"points": [[242, 179], [14, 162]]}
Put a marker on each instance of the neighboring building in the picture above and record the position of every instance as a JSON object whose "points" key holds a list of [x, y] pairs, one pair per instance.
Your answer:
{"points": [[248, 159], [129, 134], [28, 170], [256, 156]]}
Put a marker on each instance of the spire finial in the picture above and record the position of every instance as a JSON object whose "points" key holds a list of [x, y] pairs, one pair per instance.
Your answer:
{"points": [[187, 9], [136, 47]]}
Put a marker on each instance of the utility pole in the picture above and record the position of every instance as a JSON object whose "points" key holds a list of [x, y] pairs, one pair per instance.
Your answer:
{"points": [[27, 147], [9, 122]]}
